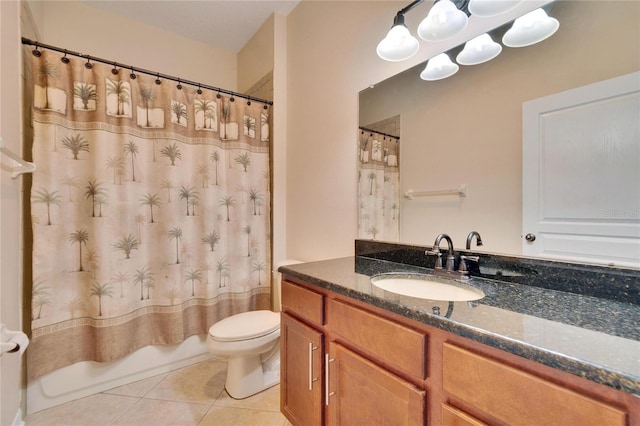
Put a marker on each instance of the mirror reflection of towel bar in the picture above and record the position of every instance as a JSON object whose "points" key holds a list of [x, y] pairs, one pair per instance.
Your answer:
{"points": [[461, 192], [22, 167]]}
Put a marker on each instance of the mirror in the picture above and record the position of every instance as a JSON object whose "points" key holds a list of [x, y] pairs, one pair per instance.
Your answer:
{"points": [[467, 129], [379, 180]]}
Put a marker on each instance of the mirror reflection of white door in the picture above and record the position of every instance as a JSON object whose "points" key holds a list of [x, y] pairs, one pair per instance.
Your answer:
{"points": [[581, 173]]}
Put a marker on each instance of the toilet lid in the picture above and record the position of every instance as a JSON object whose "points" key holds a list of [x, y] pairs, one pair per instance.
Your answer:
{"points": [[247, 325]]}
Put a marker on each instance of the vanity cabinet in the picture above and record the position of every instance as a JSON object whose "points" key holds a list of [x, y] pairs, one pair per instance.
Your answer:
{"points": [[340, 369], [348, 362]]}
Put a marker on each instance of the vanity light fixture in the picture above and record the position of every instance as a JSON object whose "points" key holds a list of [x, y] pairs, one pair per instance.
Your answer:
{"points": [[479, 50], [488, 8], [443, 21], [530, 29], [399, 44], [439, 67], [447, 18]]}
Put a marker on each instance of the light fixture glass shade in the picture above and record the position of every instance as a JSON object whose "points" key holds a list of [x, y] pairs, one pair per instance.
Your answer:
{"points": [[478, 50], [530, 29], [487, 8], [443, 21], [439, 67], [398, 45]]}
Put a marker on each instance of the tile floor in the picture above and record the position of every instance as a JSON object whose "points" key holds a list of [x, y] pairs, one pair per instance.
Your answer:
{"points": [[192, 395]]}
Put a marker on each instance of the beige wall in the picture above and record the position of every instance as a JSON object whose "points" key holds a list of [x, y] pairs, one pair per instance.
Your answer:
{"points": [[255, 59], [75, 26], [331, 57]]}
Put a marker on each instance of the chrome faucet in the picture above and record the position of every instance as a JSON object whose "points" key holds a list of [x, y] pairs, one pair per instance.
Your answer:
{"points": [[470, 239], [435, 250], [449, 268], [463, 267]]}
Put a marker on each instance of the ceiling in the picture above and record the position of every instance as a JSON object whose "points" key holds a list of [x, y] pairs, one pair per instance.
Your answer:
{"points": [[226, 24]]}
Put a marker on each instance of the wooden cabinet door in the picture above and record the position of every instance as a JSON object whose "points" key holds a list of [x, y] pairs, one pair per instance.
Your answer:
{"points": [[362, 393], [301, 372], [517, 397]]}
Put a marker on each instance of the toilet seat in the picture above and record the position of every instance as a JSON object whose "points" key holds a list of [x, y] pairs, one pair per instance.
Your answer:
{"points": [[245, 326]]}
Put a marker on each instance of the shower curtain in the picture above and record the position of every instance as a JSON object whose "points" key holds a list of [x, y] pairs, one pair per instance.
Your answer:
{"points": [[378, 186], [150, 211]]}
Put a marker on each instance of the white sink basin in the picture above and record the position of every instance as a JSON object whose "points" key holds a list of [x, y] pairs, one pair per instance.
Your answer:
{"points": [[425, 286]]}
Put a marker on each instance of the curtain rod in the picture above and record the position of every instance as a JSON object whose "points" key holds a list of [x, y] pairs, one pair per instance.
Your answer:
{"points": [[380, 133], [143, 71]]}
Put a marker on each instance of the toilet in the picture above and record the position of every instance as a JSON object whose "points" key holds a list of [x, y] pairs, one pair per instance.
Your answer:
{"points": [[251, 343]]}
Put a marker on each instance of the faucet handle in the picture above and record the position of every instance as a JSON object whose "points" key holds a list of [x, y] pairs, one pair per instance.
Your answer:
{"points": [[435, 252]]}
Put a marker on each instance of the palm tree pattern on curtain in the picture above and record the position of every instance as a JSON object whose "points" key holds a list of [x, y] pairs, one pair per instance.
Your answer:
{"points": [[150, 212], [378, 187]]}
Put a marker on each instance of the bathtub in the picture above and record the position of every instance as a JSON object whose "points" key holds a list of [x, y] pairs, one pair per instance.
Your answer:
{"points": [[89, 377]]}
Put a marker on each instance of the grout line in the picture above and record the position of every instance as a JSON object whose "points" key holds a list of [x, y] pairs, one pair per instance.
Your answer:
{"points": [[121, 416]]}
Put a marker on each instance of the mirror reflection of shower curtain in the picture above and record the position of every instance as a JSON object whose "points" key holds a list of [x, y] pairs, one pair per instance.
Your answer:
{"points": [[150, 212], [378, 186]]}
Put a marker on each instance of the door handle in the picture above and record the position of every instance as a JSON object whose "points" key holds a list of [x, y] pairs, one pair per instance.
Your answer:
{"points": [[530, 237], [327, 394], [311, 378]]}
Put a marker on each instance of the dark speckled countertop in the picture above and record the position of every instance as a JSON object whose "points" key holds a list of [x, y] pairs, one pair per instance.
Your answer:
{"points": [[592, 337]]}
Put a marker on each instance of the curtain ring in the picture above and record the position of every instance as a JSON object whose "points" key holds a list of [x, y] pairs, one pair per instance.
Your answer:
{"points": [[36, 52], [114, 71], [218, 96], [64, 59], [132, 75], [88, 65], [249, 101], [199, 91], [158, 81], [179, 86], [232, 99]]}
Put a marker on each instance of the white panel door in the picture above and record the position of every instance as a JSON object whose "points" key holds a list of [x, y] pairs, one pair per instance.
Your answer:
{"points": [[581, 173]]}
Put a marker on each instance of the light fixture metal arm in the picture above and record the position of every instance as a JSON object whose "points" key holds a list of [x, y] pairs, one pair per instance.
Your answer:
{"points": [[410, 6]]}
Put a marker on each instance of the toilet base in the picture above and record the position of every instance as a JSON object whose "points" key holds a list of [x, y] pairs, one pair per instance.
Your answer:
{"points": [[248, 375]]}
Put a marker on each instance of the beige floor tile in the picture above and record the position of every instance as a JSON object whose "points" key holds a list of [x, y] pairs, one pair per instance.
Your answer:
{"points": [[268, 400], [183, 397], [139, 388], [230, 416], [152, 412], [95, 410], [200, 383]]}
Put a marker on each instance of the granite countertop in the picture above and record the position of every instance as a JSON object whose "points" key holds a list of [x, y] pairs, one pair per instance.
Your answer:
{"points": [[591, 337]]}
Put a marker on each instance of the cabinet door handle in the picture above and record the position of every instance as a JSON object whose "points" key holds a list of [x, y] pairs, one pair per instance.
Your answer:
{"points": [[327, 394], [311, 378]]}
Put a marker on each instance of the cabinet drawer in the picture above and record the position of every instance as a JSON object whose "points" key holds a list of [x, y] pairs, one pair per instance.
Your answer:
{"points": [[362, 393], [394, 344], [517, 397], [303, 303]]}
